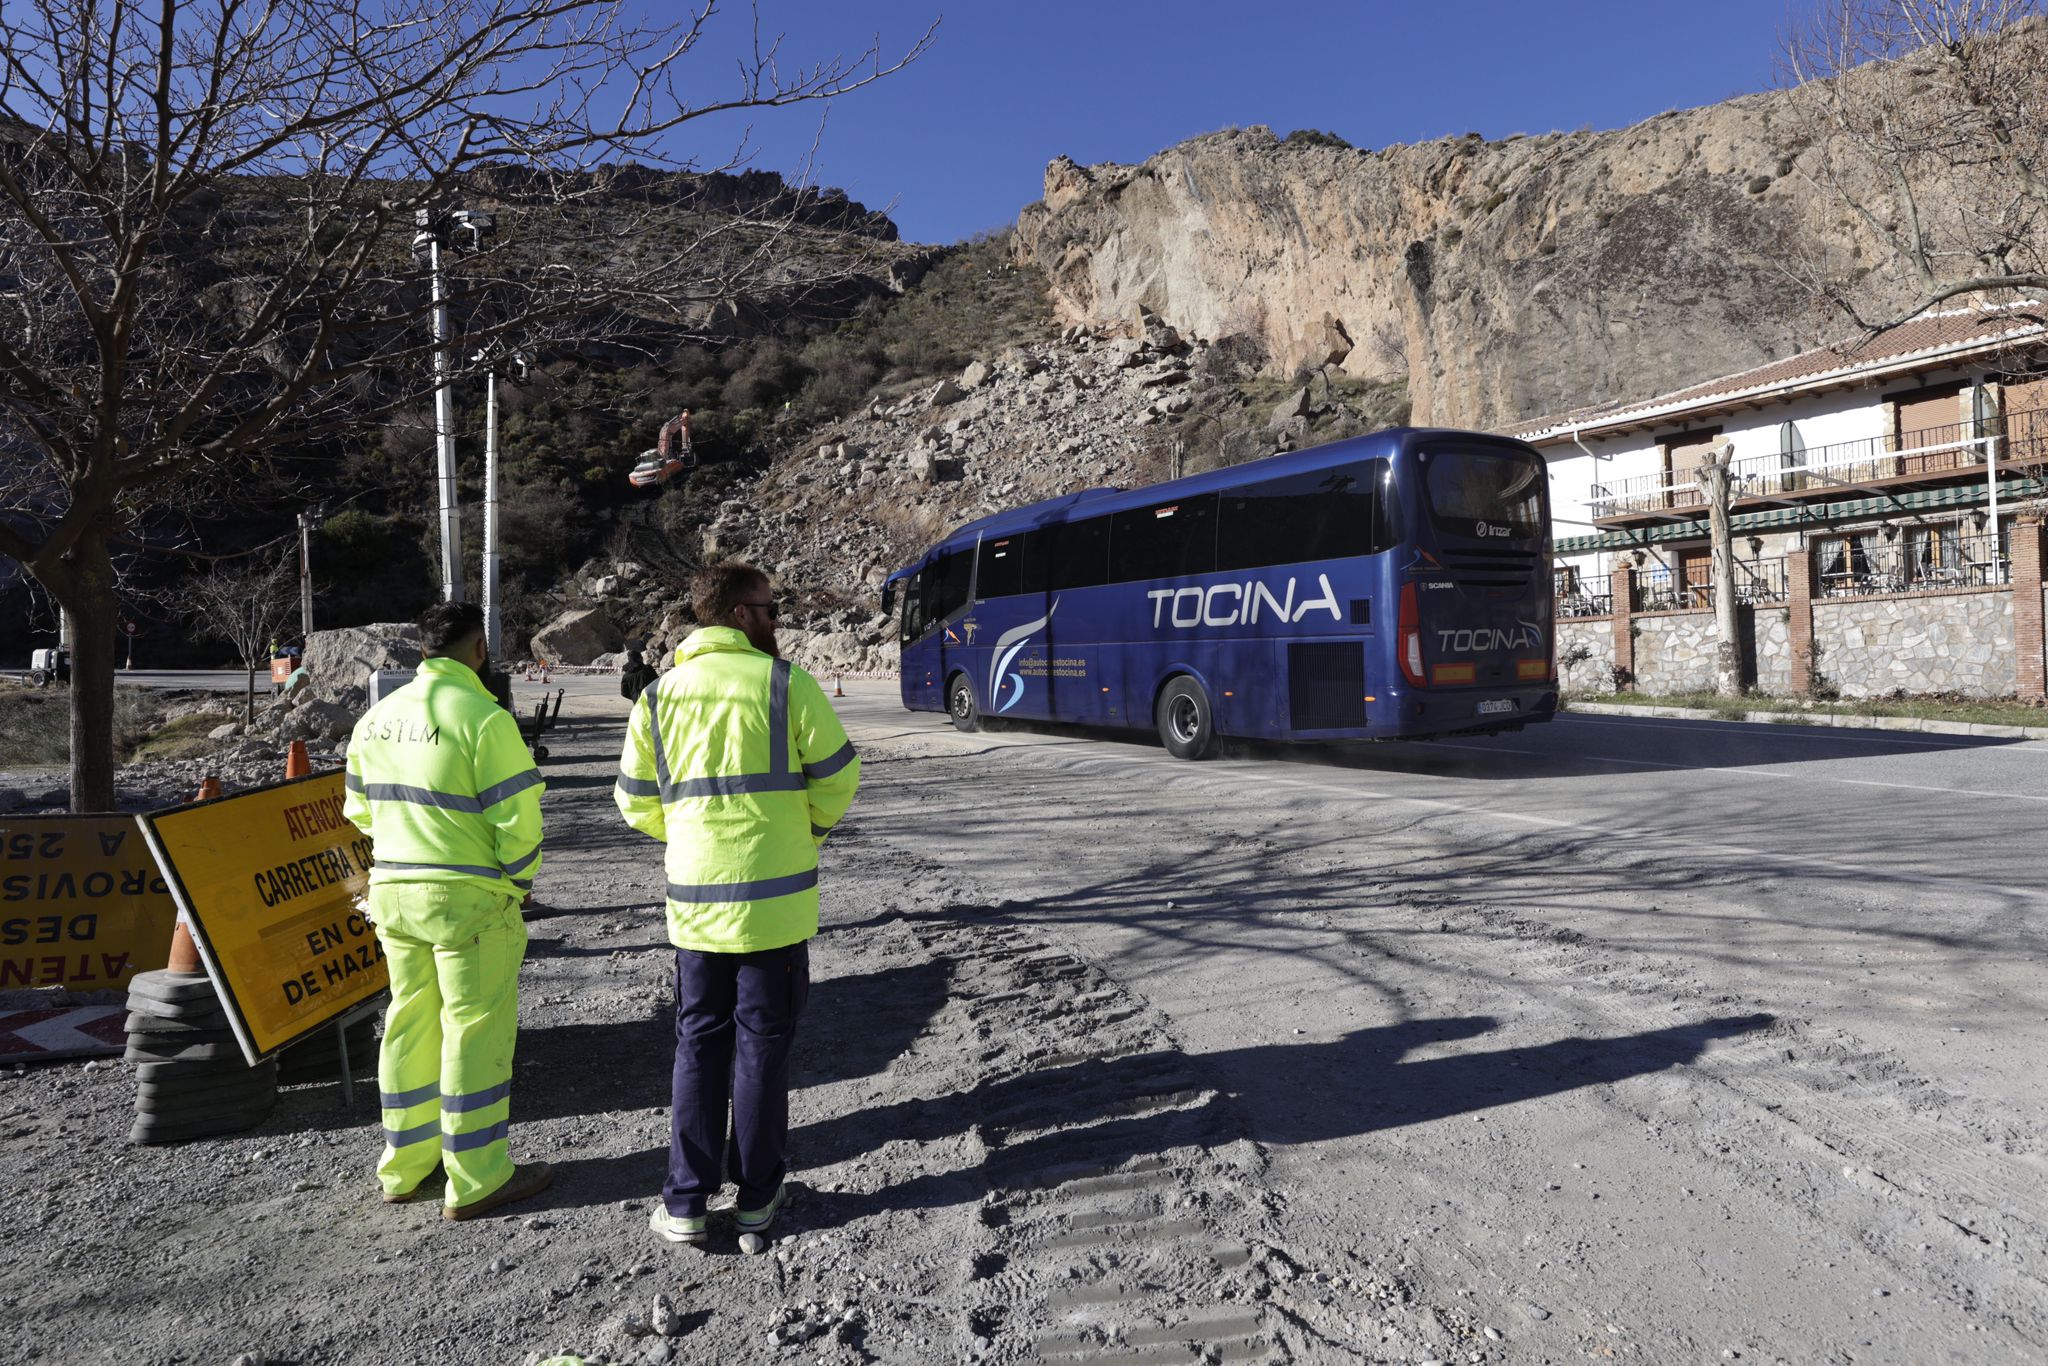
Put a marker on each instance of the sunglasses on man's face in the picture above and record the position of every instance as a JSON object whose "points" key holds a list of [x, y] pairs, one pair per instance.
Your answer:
{"points": [[771, 607]]}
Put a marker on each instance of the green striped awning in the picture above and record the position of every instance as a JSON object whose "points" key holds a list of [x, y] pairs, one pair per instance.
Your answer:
{"points": [[1807, 514]]}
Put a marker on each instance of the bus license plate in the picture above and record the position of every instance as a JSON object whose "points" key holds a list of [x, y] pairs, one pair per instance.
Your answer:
{"points": [[1495, 707]]}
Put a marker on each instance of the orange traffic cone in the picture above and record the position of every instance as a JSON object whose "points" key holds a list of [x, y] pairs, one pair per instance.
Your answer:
{"points": [[837, 691], [184, 952], [296, 762]]}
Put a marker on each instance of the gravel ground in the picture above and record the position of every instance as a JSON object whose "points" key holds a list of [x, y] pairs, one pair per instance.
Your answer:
{"points": [[1112, 1058], [1002, 1153]]}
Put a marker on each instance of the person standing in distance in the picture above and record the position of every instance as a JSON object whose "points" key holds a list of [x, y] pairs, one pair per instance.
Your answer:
{"points": [[736, 762], [440, 781]]}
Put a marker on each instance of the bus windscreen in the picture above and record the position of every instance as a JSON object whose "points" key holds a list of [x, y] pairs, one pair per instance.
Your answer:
{"points": [[1485, 493]]}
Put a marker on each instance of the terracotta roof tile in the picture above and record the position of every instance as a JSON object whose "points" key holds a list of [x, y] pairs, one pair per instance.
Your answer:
{"points": [[1930, 333]]}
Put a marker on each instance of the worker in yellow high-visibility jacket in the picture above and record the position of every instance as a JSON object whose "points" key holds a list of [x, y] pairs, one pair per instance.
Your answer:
{"points": [[735, 760], [442, 783]]}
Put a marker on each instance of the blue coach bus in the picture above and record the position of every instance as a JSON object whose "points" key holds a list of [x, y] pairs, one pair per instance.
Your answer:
{"points": [[1390, 586]]}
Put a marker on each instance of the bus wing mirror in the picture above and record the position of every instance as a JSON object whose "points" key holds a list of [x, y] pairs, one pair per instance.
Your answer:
{"points": [[888, 598]]}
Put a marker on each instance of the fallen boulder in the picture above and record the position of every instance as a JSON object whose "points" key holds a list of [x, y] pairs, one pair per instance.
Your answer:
{"points": [[338, 663], [577, 637]]}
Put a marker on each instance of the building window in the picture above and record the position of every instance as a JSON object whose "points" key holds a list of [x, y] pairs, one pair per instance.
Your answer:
{"points": [[1844, 563], [1791, 457]]}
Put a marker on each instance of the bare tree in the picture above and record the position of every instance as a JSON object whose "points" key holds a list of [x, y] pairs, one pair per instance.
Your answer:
{"points": [[206, 220], [246, 605], [1718, 484], [1927, 121]]}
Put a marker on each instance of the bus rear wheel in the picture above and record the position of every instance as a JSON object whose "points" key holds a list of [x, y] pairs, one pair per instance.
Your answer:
{"points": [[960, 704], [1187, 723]]}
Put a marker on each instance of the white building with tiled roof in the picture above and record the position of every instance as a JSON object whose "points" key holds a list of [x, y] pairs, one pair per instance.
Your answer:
{"points": [[1894, 460]]}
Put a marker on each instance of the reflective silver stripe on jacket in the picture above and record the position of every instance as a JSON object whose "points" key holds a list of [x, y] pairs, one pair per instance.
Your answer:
{"points": [[780, 777], [416, 796], [638, 787], [738, 785], [475, 1100], [831, 763], [446, 801], [778, 717], [661, 778], [511, 787], [523, 862], [761, 889], [418, 1133], [474, 870], [405, 1100], [482, 1138]]}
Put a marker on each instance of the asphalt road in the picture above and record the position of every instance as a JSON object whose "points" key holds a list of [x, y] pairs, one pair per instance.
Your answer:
{"points": [[1659, 1039]]}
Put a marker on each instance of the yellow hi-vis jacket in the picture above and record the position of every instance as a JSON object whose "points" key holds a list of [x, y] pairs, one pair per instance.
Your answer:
{"points": [[440, 781], [737, 762]]}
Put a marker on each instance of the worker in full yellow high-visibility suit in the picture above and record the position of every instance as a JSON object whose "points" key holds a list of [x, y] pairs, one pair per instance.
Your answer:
{"points": [[736, 762], [442, 783]]}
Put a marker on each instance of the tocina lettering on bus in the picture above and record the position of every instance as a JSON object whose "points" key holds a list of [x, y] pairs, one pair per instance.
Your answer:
{"points": [[1237, 604], [1524, 636]]}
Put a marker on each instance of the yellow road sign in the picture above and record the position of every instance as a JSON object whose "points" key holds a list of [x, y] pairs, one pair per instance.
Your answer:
{"points": [[269, 881], [81, 903]]}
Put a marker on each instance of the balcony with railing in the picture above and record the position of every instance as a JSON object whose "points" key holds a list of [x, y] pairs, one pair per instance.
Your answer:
{"points": [[1583, 595], [1860, 566], [1928, 455], [1661, 589]]}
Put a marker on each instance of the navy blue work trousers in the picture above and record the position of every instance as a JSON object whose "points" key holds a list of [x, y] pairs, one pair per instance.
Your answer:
{"points": [[736, 1018]]}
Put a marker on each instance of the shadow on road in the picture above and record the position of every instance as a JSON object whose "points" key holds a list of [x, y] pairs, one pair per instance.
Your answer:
{"points": [[1042, 1123]]}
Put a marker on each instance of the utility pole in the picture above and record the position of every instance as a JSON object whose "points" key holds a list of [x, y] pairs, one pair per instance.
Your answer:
{"points": [[491, 625], [494, 360], [468, 228], [305, 577], [444, 435], [1716, 481]]}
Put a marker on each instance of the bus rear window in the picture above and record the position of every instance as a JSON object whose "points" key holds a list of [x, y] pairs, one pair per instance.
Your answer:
{"points": [[1485, 493]]}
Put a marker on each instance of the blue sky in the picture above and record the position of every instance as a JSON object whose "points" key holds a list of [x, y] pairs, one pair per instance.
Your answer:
{"points": [[959, 142]]}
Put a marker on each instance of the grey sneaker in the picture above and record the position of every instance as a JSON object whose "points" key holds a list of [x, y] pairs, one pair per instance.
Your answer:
{"points": [[679, 1228], [759, 1220]]}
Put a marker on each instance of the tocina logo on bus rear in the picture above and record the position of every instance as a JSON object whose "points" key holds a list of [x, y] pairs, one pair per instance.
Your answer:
{"points": [[1523, 635], [1237, 604]]}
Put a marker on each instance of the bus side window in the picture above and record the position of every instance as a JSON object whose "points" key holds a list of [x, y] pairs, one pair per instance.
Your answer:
{"points": [[1080, 554], [1034, 569], [1166, 541], [1002, 563], [949, 578], [913, 606], [1322, 516]]}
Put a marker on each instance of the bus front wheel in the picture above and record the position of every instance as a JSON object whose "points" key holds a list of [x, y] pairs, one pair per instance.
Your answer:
{"points": [[960, 704], [1187, 723]]}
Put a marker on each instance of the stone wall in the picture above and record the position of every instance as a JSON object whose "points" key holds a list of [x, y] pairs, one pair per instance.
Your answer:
{"points": [[1923, 643], [1675, 652], [1595, 673], [1772, 639]]}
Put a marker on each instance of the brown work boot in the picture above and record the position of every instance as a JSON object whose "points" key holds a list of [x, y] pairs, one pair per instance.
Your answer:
{"points": [[528, 1178]]}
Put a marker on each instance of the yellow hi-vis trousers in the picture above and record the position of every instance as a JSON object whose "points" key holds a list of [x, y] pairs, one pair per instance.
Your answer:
{"points": [[445, 1070]]}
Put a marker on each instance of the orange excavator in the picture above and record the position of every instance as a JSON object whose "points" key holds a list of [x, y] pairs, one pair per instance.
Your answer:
{"points": [[672, 454]]}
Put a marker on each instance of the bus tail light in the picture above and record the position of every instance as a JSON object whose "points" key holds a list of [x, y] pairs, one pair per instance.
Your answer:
{"points": [[1526, 669], [1411, 636]]}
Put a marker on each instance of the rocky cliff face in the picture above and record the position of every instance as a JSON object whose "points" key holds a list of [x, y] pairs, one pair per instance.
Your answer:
{"points": [[1505, 280]]}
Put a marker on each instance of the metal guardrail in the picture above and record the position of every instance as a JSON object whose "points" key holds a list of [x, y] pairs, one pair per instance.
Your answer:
{"points": [[1958, 447]]}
